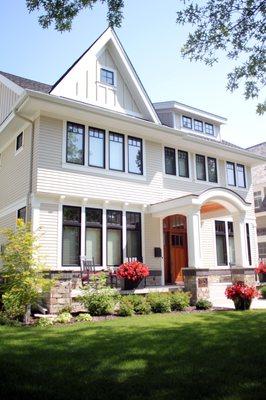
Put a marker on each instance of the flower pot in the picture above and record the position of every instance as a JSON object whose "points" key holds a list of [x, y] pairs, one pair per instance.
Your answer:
{"points": [[131, 285], [262, 277], [242, 304]]}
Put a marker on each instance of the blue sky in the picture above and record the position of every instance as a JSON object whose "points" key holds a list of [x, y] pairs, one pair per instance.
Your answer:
{"points": [[152, 40]]}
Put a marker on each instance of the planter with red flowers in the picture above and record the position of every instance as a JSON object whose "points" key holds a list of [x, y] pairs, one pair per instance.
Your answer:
{"points": [[241, 294], [133, 273], [261, 271]]}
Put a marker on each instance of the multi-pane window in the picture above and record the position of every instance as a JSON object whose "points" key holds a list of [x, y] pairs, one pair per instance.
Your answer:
{"points": [[170, 161], [134, 235], [209, 129], [114, 237], [96, 147], [107, 76], [116, 152], [231, 175], [248, 244], [212, 170], [198, 125], [183, 168], [135, 163], [71, 235], [94, 235], [221, 249], [231, 243], [187, 122], [240, 172], [19, 141], [21, 214], [262, 250], [257, 199], [200, 167], [75, 143]]}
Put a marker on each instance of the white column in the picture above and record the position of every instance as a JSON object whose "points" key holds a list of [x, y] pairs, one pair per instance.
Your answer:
{"points": [[83, 232], [104, 239], [124, 234], [240, 238], [194, 238]]}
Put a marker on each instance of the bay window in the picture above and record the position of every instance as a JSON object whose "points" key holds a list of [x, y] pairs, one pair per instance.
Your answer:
{"points": [[135, 164], [116, 152], [134, 235], [94, 235], [170, 161], [71, 235], [200, 167], [114, 237], [183, 169], [75, 143], [96, 147]]}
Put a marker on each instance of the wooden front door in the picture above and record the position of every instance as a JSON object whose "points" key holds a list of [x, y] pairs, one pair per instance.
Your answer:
{"points": [[175, 248]]}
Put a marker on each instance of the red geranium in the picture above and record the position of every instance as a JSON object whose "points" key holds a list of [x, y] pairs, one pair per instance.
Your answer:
{"points": [[261, 268], [133, 270], [241, 291]]}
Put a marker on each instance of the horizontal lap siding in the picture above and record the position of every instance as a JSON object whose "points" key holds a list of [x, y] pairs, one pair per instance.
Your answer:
{"points": [[8, 221], [7, 100], [49, 233]]}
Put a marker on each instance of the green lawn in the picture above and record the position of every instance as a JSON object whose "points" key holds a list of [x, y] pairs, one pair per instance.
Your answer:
{"points": [[172, 356]]}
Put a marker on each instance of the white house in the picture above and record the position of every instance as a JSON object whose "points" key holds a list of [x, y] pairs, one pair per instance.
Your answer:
{"points": [[107, 174]]}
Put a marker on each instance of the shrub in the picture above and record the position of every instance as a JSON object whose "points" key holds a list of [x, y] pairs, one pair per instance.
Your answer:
{"points": [[45, 322], [140, 304], [179, 300], [263, 292], [159, 302], [63, 318], [126, 308], [84, 317], [5, 320], [203, 304]]}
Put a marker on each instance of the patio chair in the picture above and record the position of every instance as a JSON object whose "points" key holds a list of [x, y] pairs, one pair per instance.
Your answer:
{"points": [[87, 268]]}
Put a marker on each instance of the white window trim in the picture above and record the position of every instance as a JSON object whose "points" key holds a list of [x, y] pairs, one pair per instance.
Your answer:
{"points": [[206, 182], [114, 86], [244, 189], [22, 146]]}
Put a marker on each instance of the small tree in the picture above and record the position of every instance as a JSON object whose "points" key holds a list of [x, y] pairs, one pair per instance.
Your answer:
{"points": [[22, 271]]}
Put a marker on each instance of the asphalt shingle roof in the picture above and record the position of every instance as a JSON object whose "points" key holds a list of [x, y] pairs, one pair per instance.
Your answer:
{"points": [[28, 83]]}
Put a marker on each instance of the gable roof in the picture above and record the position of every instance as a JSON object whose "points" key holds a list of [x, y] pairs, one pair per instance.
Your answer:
{"points": [[26, 83]]}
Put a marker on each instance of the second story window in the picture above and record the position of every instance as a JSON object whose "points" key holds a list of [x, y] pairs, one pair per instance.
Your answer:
{"points": [[75, 143], [187, 122], [19, 141], [170, 161], [116, 152], [235, 174], [198, 125], [200, 167], [240, 172], [212, 170], [183, 168], [231, 174], [209, 129], [96, 148], [135, 164], [107, 76]]}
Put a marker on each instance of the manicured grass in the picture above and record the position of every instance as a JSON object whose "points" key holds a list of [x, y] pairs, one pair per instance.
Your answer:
{"points": [[219, 356]]}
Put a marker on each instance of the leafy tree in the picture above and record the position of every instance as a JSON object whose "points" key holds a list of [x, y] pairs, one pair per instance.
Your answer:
{"points": [[23, 273]]}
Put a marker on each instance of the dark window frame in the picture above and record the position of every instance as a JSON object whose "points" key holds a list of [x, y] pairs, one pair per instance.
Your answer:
{"points": [[248, 244], [123, 151], [71, 224], [196, 126], [244, 175], [212, 128], [184, 124], [22, 210], [104, 149], [141, 151], [221, 234], [205, 171], [216, 169], [116, 227], [95, 225], [231, 234], [19, 141], [134, 229], [234, 170], [83, 143], [165, 156], [187, 163], [107, 71]]}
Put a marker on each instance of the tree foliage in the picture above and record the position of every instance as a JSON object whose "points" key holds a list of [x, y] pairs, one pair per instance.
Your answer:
{"points": [[236, 27], [62, 12]]}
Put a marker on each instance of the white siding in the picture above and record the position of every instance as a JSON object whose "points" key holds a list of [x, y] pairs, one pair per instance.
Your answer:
{"points": [[48, 233], [7, 100]]}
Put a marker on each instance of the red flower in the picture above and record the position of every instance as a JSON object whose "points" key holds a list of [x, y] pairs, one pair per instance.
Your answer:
{"points": [[133, 270], [261, 268], [242, 291]]}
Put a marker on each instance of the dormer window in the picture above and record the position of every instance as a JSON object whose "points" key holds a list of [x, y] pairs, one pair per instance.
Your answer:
{"points": [[198, 125], [107, 77], [209, 129], [187, 122]]}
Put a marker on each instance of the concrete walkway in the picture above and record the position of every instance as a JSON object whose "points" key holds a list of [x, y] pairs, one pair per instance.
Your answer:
{"points": [[257, 304]]}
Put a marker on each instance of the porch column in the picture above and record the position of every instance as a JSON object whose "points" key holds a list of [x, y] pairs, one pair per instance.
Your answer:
{"points": [[240, 238], [193, 238]]}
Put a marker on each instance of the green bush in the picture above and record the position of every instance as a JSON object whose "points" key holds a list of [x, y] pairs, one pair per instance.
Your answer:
{"points": [[45, 322], [126, 308], [63, 318], [84, 317], [179, 300], [140, 304], [159, 302], [5, 320], [203, 304], [263, 292]]}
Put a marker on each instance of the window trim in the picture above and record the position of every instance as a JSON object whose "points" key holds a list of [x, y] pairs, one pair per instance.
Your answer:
{"points": [[141, 150], [114, 227], [187, 161], [100, 67], [207, 133], [104, 148], [191, 120], [123, 151], [18, 150], [205, 169], [135, 230], [234, 170], [94, 226], [244, 176], [62, 234], [83, 143], [236, 185], [202, 124], [216, 169], [174, 151]]}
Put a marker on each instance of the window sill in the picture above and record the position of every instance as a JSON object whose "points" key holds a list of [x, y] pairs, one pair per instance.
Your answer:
{"points": [[177, 177]]}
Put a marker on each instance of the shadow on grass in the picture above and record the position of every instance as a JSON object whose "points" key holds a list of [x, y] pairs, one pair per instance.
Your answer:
{"points": [[187, 356]]}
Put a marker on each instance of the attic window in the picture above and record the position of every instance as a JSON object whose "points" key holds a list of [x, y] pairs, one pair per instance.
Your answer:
{"points": [[107, 76]]}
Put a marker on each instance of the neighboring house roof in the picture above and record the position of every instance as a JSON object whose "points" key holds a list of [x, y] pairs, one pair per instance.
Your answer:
{"points": [[259, 148], [26, 83]]}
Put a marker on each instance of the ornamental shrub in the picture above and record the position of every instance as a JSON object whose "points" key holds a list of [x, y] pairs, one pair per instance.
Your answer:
{"points": [[44, 322], [159, 302], [133, 271], [179, 300], [84, 317], [63, 318], [203, 304], [5, 320], [140, 304], [261, 268], [263, 292], [126, 308], [240, 290]]}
